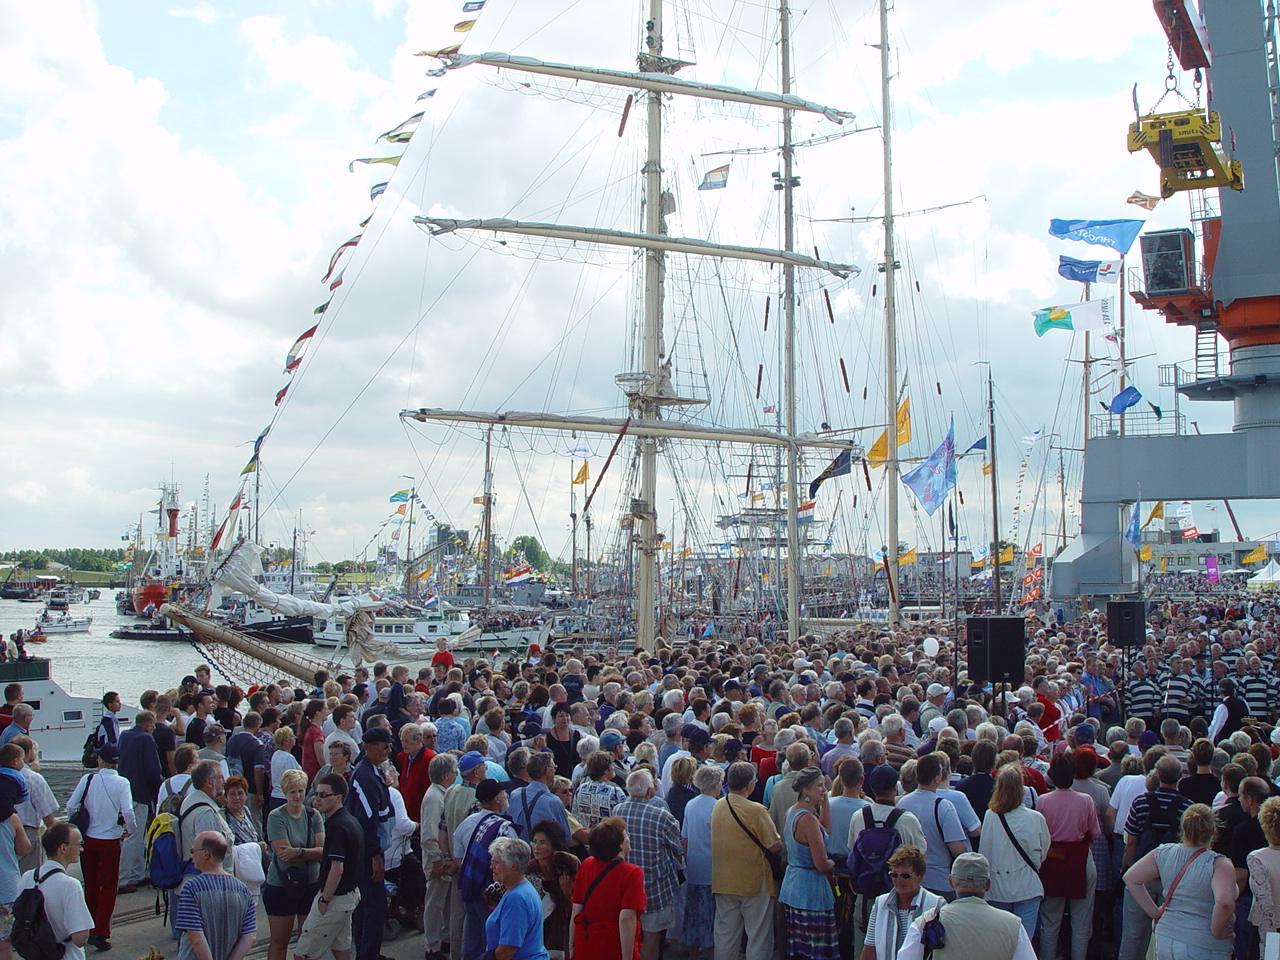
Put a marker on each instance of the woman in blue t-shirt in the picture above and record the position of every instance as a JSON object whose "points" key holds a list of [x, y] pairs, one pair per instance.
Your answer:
{"points": [[514, 928]]}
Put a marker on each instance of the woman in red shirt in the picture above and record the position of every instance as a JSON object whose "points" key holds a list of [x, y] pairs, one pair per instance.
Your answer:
{"points": [[608, 897], [313, 752]]}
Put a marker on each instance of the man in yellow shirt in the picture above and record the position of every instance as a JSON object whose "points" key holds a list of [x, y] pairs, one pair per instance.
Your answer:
{"points": [[741, 878]]}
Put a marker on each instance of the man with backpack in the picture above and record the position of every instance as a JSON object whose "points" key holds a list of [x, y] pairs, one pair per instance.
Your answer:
{"points": [[60, 908], [471, 842], [1153, 820], [875, 832]]}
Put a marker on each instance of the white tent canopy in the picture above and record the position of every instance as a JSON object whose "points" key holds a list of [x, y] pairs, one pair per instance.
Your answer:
{"points": [[1268, 578]]}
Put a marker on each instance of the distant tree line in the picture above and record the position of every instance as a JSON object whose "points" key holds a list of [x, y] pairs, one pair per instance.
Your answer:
{"points": [[77, 558]]}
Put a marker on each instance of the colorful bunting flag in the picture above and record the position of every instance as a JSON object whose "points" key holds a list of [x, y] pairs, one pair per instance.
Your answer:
{"points": [[402, 127], [463, 26], [400, 496], [294, 356], [393, 161], [427, 94], [280, 394], [804, 513], [378, 189], [716, 179], [1143, 200], [337, 254], [319, 311]]}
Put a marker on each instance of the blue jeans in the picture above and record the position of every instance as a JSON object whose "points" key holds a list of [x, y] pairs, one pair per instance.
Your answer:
{"points": [[1244, 930], [1028, 911], [474, 915], [369, 917]]}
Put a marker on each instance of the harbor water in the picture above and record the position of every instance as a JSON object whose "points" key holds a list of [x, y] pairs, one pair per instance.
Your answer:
{"points": [[90, 664]]}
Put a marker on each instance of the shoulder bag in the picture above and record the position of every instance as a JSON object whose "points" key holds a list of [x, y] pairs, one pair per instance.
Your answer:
{"points": [[294, 878], [80, 819], [582, 918], [1016, 845], [776, 866], [1173, 887]]}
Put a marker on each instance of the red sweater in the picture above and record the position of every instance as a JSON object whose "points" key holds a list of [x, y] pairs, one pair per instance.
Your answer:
{"points": [[414, 780]]}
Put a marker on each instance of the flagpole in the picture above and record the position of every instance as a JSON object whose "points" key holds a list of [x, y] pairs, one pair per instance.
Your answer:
{"points": [[995, 494], [1124, 378], [573, 522]]}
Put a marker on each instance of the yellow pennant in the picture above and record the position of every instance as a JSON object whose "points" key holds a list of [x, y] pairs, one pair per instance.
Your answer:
{"points": [[1144, 554], [879, 452], [1157, 513], [583, 474]]}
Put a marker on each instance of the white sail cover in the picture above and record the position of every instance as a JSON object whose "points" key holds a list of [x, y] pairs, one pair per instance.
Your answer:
{"points": [[239, 574]]}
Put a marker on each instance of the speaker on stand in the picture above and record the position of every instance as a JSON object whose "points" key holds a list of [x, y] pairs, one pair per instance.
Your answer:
{"points": [[1126, 629], [997, 651]]}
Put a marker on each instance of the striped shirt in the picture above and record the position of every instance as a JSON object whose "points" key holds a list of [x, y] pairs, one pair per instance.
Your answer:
{"points": [[1256, 691], [1180, 697], [1141, 698], [220, 907]]}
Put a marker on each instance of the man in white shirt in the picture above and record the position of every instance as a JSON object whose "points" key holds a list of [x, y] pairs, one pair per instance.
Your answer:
{"points": [[108, 802], [40, 805], [344, 726], [973, 928], [64, 903]]}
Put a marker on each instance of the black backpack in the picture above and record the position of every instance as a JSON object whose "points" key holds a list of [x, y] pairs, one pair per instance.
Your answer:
{"points": [[89, 755], [33, 935], [1162, 823]]}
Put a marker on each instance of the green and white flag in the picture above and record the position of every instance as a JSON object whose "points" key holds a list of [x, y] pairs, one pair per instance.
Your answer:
{"points": [[1090, 315]]}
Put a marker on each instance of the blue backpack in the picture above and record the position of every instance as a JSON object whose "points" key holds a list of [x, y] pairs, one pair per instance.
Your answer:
{"points": [[166, 864], [869, 856]]}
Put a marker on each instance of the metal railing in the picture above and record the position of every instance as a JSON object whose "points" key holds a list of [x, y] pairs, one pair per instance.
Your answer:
{"points": [[1138, 423]]}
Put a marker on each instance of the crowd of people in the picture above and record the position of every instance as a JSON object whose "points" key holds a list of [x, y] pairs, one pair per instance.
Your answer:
{"points": [[856, 796]]}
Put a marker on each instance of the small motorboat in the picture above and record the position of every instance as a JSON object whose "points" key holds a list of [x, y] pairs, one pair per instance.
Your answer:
{"points": [[61, 623]]}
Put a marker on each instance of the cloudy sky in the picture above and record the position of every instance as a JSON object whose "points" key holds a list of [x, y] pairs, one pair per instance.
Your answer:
{"points": [[175, 178]]}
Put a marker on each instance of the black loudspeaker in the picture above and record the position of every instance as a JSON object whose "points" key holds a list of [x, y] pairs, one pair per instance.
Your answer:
{"points": [[1126, 623], [997, 649]]}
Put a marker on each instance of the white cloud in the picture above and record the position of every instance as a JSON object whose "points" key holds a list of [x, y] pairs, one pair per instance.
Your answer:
{"points": [[203, 12]]}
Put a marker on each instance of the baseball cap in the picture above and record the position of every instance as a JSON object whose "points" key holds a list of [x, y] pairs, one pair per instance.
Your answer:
{"points": [[882, 778], [971, 866], [730, 685], [530, 729], [486, 790], [1084, 733], [699, 737], [468, 761], [610, 739], [936, 724], [109, 752], [935, 690], [689, 730], [377, 735]]}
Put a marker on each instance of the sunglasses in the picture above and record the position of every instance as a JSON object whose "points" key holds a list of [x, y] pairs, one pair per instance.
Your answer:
{"points": [[323, 796], [901, 876]]}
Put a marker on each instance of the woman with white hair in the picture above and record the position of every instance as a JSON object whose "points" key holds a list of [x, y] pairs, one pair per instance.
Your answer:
{"points": [[513, 931], [698, 924]]}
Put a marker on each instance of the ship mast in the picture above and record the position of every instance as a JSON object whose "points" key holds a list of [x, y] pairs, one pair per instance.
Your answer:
{"points": [[488, 515], [644, 402], [650, 389], [890, 323], [795, 556]]}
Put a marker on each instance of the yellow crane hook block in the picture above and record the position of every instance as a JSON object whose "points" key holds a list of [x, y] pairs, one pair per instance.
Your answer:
{"points": [[1186, 145]]}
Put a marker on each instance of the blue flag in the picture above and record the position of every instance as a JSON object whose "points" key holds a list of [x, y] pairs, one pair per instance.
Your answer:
{"points": [[979, 444], [1089, 271], [839, 467], [933, 479], [1123, 400], [1116, 234], [1133, 533]]}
